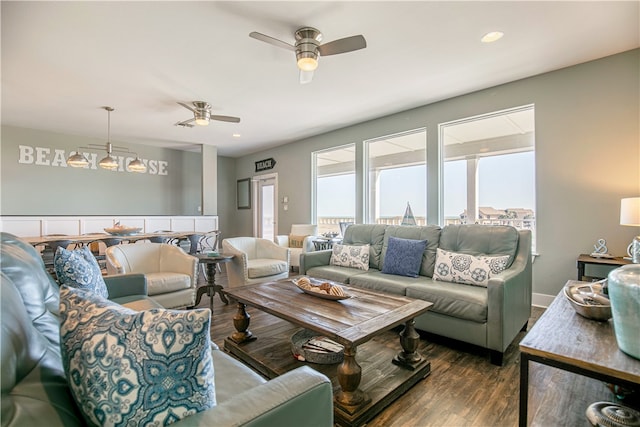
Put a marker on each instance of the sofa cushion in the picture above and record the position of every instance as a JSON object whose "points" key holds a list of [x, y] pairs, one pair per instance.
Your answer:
{"points": [[377, 281], [78, 268], [430, 233], [296, 241], [452, 299], [164, 282], [403, 256], [334, 273], [469, 269], [367, 234], [475, 239], [141, 368], [263, 267], [350, 256]]}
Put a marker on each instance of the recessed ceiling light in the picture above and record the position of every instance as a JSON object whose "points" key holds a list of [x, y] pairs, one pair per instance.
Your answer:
{"points": [[492, 36], [236, 135]]}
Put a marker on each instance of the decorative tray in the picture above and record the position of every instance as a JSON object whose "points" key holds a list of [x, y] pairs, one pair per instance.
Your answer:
{"points": [[312, 347], [123, 231], [317, 288], [589, 300]]}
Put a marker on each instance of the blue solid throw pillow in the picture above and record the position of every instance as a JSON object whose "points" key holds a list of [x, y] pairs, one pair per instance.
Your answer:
{"points": [[404, 256]]}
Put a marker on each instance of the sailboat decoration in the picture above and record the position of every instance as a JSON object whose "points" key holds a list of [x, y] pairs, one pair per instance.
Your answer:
{"points": [[408, 218]]}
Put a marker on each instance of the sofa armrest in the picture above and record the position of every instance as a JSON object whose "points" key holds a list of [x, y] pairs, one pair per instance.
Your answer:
{"points": [[299, 397], [175, 259], [308, 260], [509, 297], [283, 241], [123, 285], [237, 270]]}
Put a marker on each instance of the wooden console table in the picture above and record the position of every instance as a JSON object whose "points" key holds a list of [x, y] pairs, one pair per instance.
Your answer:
{"points": [[565, 340], [585, 259]]}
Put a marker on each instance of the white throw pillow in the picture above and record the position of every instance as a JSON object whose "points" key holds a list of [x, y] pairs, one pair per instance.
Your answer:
{"points": [[350, 256], [468, 269]]}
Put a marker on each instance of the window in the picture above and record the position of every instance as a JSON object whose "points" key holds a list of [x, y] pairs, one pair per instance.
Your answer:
{"points": [[489, 169], [396, 182], [335, 187]]}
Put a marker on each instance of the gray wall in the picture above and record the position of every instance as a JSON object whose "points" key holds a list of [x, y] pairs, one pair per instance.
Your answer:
{"points": [[39, 190], [227, 211], [587, 158]]}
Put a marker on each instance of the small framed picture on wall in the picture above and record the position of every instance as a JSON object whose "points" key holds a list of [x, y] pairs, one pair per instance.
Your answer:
{"points": [[244, 193]]}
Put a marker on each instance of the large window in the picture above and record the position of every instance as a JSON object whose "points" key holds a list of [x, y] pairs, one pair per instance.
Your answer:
{"points": [[335, 187], [396, 180], [489, 169]]}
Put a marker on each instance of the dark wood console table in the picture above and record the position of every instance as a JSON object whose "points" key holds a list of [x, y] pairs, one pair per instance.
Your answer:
{"points": [[585, 259], [565, 340]]}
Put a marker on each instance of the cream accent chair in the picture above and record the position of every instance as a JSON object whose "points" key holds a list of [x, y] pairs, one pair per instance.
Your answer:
{"points": [[171, 273], [308, 230], [255, 261]]}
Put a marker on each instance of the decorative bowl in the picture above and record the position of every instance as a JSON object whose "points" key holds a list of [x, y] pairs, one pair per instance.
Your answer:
{"points": [[313, 288], [123, 231], [588, 300], [303, 347]]}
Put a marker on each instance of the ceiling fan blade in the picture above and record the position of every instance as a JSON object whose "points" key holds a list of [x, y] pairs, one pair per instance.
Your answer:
{"points": [[186, 123], [306, 77], [188, 107], [347, 44], [271, 40], [226, 119]]}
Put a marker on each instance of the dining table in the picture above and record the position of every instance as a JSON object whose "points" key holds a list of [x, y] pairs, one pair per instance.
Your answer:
{"points": [[109, 239]]}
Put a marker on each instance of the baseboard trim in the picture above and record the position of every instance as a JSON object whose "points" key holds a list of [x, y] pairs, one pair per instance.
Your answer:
{"points": [[541, 300]]}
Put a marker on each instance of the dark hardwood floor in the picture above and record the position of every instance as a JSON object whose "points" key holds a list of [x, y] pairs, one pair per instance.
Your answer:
{"points": [[464, 388]]}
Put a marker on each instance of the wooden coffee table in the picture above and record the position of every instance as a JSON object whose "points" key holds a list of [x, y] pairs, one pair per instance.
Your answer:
{"points": [[351, 322]]}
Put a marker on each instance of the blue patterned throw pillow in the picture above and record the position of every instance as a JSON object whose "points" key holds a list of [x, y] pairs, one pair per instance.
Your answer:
{"points": [[468, 269], [126, 367], [79, 269], [403, 256]]}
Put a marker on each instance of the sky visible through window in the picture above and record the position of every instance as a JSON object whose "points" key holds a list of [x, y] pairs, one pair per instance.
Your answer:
{"points": [[505, 181]]}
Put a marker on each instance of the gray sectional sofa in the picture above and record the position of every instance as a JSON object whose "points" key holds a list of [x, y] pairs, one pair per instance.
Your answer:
{"points": [[489, 316], [35, 391]]}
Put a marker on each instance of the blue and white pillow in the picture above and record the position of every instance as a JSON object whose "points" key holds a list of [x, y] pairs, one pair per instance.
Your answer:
{"points": [[135, 368], [403, 256], [79, 269], [468, 269], [350, 256]]}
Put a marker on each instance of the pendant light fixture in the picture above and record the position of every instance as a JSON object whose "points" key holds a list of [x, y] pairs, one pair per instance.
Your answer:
{"points": [[78, 160]]}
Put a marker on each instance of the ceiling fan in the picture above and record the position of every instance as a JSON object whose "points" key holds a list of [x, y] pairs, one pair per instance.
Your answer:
{"points": [[202, 115], [308, 48]]}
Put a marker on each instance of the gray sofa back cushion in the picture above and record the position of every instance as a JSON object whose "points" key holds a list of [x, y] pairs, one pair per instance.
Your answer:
{"points": [[430, 233], [480, 240], [363, 234]]}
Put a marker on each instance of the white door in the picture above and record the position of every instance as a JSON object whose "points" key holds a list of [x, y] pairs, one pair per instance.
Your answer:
{"points": [[266, 212]]}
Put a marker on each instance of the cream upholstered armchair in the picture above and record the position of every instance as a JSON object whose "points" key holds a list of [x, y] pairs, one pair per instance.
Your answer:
{"points": [[255, 260], [171, 273], [298, 241]]}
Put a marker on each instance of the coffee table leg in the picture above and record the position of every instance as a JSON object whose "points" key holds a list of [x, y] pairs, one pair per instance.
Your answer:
{"points": [[241, 323], [409, 357], [349, 376]]}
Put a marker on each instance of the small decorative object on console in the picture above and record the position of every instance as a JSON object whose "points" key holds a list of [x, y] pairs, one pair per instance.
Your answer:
{"points": [[600, 250]]}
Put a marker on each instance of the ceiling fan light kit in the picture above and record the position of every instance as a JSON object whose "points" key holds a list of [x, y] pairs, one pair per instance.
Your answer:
{"points": [[202, 115], [78, 160]]}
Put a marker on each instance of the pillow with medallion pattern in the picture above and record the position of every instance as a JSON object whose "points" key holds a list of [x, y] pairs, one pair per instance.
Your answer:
{"points": [[469, 269]]}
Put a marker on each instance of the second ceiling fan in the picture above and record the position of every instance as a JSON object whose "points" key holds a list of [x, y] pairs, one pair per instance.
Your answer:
{"points": [[308, 48], [202, 115]]}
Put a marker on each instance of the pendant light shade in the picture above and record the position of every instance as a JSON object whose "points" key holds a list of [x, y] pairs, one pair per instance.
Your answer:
{"points": [[78, 160]]}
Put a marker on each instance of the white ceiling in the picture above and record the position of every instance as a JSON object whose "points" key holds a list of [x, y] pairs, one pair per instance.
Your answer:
{"points": [[63, 61]]}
